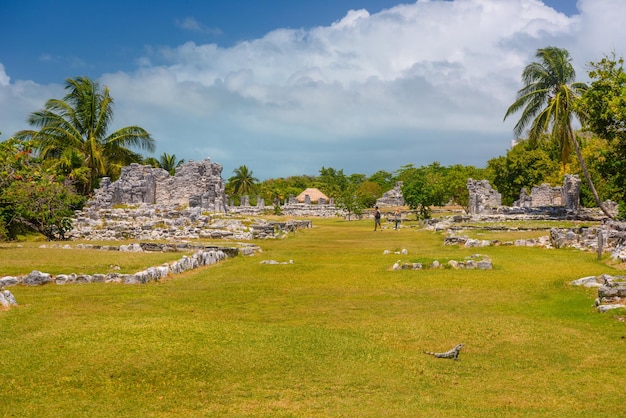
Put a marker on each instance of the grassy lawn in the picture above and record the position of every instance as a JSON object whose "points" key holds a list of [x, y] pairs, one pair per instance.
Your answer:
{"points": [[336, 333]]}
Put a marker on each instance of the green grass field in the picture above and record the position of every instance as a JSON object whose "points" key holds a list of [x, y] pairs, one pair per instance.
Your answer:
{"points": [[337, 333]]}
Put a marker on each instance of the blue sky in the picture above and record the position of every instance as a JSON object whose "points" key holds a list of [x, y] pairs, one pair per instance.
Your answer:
{"points": [[288, 87]]}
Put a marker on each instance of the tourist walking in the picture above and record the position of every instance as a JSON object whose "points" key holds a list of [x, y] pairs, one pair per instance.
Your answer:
{"points": [[377, 219], [397, 217]]}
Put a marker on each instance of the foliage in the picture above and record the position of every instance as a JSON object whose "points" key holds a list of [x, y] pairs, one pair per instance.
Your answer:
{"points": [[32, 197], [348, 200], [604, 101], [454, 183], [243, 183], [166, 161], [332, 182], [42, 204], [422, 188], [604, 106], [548, 101], [78, 126], [384, 179], [524, 166], [595, 151], [279, 189], [368, 192]]}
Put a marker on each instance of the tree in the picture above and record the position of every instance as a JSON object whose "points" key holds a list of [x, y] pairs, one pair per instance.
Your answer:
{"points": [[548, 102], [422, 188], [281, 188], [368, 192], [348, 200], [80, 123], [604, 101], [243, 182], [166, 161], [31, 195], [604, 105], [384, 179], [455, 183], [332, 181], [524, 165]]}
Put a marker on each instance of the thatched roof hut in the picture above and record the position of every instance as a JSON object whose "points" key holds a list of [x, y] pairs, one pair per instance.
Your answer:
{"points": [[314, 195]]}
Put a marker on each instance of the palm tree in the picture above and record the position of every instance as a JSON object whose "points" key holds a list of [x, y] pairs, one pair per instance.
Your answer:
{"points": [[80, 122], [548, 102], [243, 182], [168, 162]]}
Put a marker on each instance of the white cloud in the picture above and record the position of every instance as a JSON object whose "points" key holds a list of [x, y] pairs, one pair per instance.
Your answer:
{"points": [[416, 83], [20, 98], [193, 25]]}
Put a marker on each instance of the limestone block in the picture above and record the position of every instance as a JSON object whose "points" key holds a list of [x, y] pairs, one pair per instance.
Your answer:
{"points": [[36, 278], [7, 298]]}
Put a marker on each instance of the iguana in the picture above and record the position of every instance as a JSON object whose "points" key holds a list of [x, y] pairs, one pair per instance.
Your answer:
{"points": [[453, 354]]}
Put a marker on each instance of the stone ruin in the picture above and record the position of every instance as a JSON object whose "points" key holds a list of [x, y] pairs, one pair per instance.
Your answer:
{"points": [[484, 200], [545, 195], [148, 203], [195, 184], [482, 197], [392, 197]]}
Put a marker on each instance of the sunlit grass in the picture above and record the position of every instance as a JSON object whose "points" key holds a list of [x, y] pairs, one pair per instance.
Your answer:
{"points": [[336, 333]]}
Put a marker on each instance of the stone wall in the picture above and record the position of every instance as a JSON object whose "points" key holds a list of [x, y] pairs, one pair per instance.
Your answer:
{"points": [[392, 197], [198, 259], [483, 199], [195, 184], [567, 196]]}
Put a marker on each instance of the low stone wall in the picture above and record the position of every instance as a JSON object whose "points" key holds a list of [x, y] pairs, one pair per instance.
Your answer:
{"points": [[320, 210], [473, 262], [611, 290], [198, 259]]}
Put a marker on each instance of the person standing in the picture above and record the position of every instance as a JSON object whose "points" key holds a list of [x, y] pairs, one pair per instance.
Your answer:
{"points": [[377, 219], [397, 217]]}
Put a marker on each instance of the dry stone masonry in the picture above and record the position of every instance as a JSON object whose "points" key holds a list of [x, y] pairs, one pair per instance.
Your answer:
{"points": [[195, 184], [392, 197], [482, 197], [554, 201], [611, 290], [198, 259], [476, 261], [545, 195]]}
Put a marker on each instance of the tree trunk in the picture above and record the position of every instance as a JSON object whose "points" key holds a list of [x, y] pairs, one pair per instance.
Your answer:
{"points": [[586, 173]]}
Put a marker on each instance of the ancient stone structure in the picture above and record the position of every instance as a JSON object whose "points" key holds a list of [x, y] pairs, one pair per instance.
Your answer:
{"points": [[195, 184], [163, 222], [483, 199], [392, 197], [567, 196], [571, 193]]}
